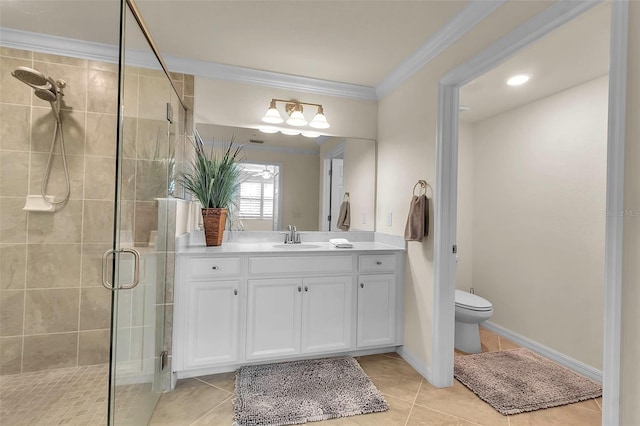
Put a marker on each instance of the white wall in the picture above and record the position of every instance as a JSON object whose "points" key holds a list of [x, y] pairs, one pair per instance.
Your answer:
{"points": [[464, 226], [630, 354], [539, 219]]}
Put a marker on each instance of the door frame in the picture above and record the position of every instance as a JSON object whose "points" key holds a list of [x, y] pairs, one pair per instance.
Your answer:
{"points": [[446, 188], [336, 152]]}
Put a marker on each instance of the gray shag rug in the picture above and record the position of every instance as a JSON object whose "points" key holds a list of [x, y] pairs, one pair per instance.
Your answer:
{"points": [[303, 391], [518, 380]]}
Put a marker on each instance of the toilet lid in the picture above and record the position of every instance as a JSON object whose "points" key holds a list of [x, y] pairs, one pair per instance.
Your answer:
{"points": [[472, 301]]}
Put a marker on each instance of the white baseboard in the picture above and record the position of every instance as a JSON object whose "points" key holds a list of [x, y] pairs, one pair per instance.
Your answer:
{"points": [[415, 363], [555, 356]]}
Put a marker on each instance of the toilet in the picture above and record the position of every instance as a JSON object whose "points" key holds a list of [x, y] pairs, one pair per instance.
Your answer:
{"points": [[470, 311]]}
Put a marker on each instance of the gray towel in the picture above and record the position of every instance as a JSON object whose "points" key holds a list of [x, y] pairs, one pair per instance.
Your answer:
{"points": [[344, 218], [418, 220]]}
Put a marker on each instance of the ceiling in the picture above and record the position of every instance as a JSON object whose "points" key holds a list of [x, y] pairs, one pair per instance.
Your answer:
{"points": [[571, 55], [357, 42]]}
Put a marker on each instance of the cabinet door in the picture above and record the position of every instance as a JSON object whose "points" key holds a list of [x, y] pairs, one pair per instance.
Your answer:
{"points": [[273, 318], [376, 310], [212, 323], [326, 314]]}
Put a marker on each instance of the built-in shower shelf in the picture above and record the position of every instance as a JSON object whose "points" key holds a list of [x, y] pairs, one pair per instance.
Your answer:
{"points": [[35, 203]]}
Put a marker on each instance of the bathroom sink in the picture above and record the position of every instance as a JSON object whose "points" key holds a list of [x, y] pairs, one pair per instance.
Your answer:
{"points": [[295, 246]]}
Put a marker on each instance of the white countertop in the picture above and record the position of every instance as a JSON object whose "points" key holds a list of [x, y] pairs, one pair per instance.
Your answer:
{"points": [[268, 247]]}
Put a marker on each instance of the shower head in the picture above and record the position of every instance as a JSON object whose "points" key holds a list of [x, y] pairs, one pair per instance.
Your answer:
{"points": [[46, 95], [31, 77]]}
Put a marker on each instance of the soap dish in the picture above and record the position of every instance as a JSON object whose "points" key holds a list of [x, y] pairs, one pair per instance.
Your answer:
{"points": [[35, 203]]}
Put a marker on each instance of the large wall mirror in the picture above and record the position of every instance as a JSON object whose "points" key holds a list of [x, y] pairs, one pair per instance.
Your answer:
{"points": [[295, 180]]}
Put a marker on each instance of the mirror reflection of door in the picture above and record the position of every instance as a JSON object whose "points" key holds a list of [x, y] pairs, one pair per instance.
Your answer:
{"points": [[337, 191]]}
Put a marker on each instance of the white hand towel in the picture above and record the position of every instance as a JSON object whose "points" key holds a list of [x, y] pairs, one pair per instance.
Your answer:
{"points": [[340, 243]]}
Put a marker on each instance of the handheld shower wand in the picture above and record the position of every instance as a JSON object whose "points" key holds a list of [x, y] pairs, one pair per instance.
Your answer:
{"points": [[50, 91]]}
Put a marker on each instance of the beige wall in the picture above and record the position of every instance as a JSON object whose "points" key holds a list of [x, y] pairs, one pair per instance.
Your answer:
{"points": [[539, 219], [406, 153], [630, 354], [243, 105], [360, 182], [300, 176]]}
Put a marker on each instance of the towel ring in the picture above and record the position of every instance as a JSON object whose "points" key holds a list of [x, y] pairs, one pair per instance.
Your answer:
{"points": [[346, 197], [423, 186]]}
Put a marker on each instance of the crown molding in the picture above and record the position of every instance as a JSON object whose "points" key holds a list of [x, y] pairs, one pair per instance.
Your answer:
{"points": [[459, 25], [55, 45], [218, 71]]}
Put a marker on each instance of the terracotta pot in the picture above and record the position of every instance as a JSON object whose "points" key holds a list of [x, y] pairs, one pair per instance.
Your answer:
{"points": [[214, 221]]}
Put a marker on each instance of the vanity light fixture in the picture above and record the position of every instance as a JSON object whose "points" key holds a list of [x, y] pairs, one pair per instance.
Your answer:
{"points": [[518, 80], [296, 116], [290, 132]]}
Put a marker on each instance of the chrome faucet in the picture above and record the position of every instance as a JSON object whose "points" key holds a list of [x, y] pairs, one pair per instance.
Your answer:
{"points": [[292, 236]]}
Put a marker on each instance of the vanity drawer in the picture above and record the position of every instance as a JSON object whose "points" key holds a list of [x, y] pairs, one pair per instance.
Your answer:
{"points": [[201, 268], [377, 263], [296, 265]]}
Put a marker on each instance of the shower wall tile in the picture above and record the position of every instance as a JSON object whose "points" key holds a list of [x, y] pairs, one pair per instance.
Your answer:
{"points": [[100, 178], [95, 308], [13, 91], [58, 59], [73, 128], [101, 135], [100, 85], [13, 220], [50, 351], [14, 173], [151, 180], [189, 85], [53, 265], [56, 185], [103, 66], [63, 226], [92, 264], [152, 139], [12, 266], [153, 94], [93, 347], [75, 94], [16, 53], [15, 131], [51, 310], [148, 72], [128, 179], [10, 355], [176, 76], [130, 136], [11, 312], [98, 221], [130, 96], [146, 220]]}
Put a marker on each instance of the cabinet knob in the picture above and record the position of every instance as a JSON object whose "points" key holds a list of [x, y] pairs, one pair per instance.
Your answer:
{"points": [[235, 292], [299, 288], [306, 288], [215, 268], [361, 285], [378, 262]]}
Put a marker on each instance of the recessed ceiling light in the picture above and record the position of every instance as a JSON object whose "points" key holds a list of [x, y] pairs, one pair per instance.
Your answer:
{"points": [[518, 80]]}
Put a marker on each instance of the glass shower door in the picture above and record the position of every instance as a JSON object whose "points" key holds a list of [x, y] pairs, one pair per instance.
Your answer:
{"points": [[137, 262]]}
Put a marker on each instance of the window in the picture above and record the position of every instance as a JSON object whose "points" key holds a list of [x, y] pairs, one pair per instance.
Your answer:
{"points": [[257, 194]]}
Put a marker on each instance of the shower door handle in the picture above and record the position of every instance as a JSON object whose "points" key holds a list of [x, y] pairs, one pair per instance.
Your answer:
{"points": [[105, 267]]}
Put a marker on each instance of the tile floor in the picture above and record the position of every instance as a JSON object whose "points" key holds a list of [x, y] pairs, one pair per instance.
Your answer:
{"points": [[413, 401]]}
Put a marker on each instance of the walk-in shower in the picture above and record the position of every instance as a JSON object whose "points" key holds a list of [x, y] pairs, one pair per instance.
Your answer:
{"points": [[49, 90]]}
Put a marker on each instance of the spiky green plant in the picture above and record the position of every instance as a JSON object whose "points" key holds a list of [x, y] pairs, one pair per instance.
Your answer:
{"points": [[212, 178]]}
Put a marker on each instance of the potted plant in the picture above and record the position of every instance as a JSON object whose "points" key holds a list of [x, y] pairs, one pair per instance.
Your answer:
{"points": [[214, 180]]}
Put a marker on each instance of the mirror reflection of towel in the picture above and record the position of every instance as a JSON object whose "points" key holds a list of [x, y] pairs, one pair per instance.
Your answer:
{"points": [[344, 218], [418, 220]]}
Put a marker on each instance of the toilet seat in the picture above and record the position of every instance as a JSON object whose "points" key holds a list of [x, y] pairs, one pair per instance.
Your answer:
{"points": [[472, 302]]}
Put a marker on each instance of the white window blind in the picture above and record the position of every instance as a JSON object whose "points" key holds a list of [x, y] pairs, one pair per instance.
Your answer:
{"points": [[256, 198]]}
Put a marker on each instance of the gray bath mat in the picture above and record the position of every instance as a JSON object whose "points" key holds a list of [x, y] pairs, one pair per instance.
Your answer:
{"points": [[303, 391], [519, 380]]}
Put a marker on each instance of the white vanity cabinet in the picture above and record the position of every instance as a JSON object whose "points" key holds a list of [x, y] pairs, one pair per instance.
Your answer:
{"points": [[377, 302], [251, 307], [291, 316], [210, 325]]}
